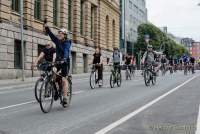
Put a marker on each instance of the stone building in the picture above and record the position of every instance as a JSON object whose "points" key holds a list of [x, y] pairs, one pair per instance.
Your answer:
{"points": [[91, 22]]}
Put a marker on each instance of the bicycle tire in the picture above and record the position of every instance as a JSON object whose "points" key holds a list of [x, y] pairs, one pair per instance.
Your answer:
{"points": [[119, 79], [92, 83], [112, 80], [37, 90], [147, 78], [51, 90]]}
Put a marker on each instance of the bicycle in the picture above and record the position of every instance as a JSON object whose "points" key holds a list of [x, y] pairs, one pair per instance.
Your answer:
{"points": [[115, 76], [42, 67], [149, 75], [52, 86], [94, 77]]}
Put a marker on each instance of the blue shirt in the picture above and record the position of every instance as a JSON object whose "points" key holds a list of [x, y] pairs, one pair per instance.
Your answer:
{"points": [[62, 47]]}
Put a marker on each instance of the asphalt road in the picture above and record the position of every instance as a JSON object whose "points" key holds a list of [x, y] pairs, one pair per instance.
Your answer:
{"points": [[169, 107]]}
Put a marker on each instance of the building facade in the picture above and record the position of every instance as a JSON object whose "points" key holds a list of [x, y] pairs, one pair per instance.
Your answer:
{"points": [[195, 50], [134, 13], [187, 43], [91, 22]]}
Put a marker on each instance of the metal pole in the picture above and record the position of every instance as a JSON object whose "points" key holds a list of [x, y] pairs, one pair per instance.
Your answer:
{"points": [[22, 37], [125, 45]]}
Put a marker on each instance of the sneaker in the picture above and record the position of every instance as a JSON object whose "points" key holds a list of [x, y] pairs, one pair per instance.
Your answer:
{"points": [[65, 102]]}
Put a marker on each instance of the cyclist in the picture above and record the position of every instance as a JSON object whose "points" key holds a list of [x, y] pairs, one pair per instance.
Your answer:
{"points": [[48, 54], [192, 62], [163, 62], [117, 59], [171, 64], [149, 58], [63, 45], [133, 63], [181, 63], [176, 62], [128, 62], [185, 59], [98, 64]]}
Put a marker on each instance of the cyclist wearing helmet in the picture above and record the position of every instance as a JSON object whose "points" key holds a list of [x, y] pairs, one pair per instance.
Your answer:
{"points": [[117, 59], [63, 45], [149, 57]]}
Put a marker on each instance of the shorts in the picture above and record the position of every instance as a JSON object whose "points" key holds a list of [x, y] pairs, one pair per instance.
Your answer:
{"points": [[64, 68]]}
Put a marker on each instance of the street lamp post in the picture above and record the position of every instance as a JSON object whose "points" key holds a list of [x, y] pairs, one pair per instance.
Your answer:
{"points": [[125, 44], [22, 37]]}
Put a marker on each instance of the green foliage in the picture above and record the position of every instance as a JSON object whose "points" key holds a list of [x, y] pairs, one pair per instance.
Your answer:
{"points": [[159, 40]]}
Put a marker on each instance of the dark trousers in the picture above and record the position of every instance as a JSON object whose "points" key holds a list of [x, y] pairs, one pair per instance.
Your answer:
{"points": [[99, 68]]}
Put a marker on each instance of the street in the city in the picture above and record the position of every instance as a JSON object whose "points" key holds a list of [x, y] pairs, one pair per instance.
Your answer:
{"points": [[169, 107]]}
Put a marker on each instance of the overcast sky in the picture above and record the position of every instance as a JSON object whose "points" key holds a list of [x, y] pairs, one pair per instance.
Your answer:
{"points": [[182, 17]]}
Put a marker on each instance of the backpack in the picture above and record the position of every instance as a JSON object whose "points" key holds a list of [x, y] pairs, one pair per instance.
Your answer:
{"points": [[116, 57]]}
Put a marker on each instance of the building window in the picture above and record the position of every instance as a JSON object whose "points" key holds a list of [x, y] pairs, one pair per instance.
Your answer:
{"points": [[70, 15], [15, 5], [37, 9], [113, 33], [18, 54], [55, 12], [82, 17], [85, 63], [92, 20], [107, 32]]}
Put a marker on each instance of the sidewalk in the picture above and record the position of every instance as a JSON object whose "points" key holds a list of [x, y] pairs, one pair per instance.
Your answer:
{"points": [[31, 80]]}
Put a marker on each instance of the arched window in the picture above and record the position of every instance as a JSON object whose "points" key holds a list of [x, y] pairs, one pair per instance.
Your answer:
{"points": [[113, 33], [107, 32]]}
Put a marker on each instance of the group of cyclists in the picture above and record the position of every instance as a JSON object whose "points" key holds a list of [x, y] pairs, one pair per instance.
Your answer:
{"points": [[185, 63], [58, 58]]}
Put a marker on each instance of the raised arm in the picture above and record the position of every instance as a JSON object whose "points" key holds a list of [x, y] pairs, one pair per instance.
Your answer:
{"points": [[52, 36]]}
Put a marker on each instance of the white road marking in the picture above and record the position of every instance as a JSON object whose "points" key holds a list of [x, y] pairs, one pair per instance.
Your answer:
{"points": [[17, 86], [198, 123], [16, 105], [29, 102], [18, 90], [134, 113], [77, 92]]}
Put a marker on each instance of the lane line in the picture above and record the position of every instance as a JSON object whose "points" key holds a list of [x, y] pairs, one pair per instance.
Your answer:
{"points": [[77, 92], [16, 105], [198, 123], [29, 102], [134, 113]]}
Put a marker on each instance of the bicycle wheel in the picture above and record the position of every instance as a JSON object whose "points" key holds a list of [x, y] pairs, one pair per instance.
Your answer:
{"points": [[38, 85], [112, 80], [119, 79], [147, 77], [92, 80], [46, 96]]}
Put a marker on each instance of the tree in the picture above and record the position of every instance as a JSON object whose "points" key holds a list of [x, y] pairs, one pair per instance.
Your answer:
{"points": [[159, 40]]}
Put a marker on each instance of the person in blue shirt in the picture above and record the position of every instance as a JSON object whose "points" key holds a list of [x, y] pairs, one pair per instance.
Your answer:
{"points": [[63, 45], [185, 59]]}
